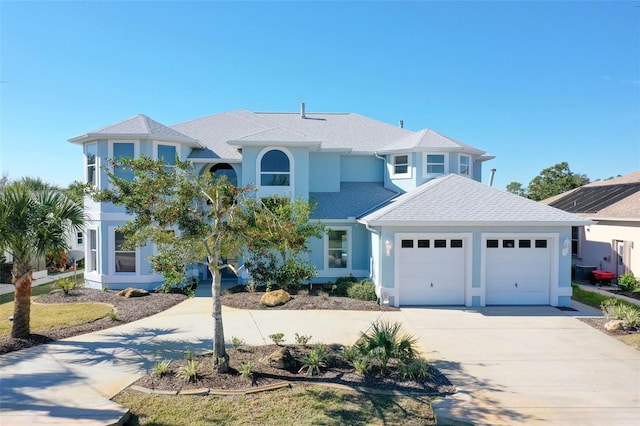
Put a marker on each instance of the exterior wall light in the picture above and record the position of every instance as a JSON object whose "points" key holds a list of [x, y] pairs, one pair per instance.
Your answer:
{"points": [[566, 247], [388, 245]]}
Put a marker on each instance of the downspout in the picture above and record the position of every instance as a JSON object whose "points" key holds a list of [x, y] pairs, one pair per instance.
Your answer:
{"points": [[384, 171]]}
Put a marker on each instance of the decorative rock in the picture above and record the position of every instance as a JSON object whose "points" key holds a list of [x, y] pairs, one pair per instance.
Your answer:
{"points": [[133, 292], [614, 325], [280, 358], [275, 298]]}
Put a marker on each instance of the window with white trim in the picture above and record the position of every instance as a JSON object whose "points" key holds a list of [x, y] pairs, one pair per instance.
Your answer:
{"points": [[401, 165], [79, 237], [575, 241], [123, 150], [275, 168], [125, 260], [90, 154], [167, 153], [92, 264], [465, 165], [435, 164], [338, 249]]}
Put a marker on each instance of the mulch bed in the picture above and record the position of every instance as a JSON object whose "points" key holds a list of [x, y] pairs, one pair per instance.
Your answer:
{"points": [[338, 372]]}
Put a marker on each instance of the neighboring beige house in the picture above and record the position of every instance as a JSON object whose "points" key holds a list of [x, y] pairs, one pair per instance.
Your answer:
{"points": [[613, 244]]}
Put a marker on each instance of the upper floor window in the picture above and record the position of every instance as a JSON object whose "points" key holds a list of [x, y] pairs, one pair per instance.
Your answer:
{"points": [[123, 150], [435, 164], [275, 169], [465, 165], [91, 151], [401, 166], [167, 153]]}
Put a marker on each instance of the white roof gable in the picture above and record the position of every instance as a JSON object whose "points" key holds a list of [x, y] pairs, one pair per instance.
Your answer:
{"points": [[453, 200]]}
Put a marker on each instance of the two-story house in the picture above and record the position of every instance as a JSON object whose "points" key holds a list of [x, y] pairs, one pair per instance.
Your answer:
{"points": [[406, 209]]}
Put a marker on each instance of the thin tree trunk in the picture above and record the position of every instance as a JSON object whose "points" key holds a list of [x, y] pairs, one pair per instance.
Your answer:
{"points": [[221, 358], [22, 297]]}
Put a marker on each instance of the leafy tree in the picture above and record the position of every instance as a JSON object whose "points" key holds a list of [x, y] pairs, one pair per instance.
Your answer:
{"points": [[76, 191], [555, 180], [516, 188], [192, 219], [34, 220], [275, 257]]}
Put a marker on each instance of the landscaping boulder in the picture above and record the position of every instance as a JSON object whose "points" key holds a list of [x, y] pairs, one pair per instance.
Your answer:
{"points": [[280, 358], [275, 298], [133, 292], [615, 325]]}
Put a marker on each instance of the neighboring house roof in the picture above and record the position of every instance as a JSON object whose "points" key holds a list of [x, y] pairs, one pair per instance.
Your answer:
{"points": [[453, 200], [429, 140], [353, 200], [617, 198], [137, 127]]}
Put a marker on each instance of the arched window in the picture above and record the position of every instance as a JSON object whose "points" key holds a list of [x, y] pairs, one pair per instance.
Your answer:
{"points": [[225, 169], [275, 169]]}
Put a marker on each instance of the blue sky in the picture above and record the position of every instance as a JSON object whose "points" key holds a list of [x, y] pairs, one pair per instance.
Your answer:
{"points": [[533, 83]]}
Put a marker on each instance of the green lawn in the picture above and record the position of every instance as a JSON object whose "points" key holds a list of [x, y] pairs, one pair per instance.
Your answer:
{"points": [[594, 299], [300, 405]]}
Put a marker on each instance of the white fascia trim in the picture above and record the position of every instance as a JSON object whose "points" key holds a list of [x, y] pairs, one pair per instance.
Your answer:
{"points": [[595, 220], [214, 161], [439, 224]]}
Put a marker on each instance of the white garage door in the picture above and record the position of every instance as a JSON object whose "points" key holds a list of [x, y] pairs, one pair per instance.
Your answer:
{"points": [[517, 271], [431, 271]]}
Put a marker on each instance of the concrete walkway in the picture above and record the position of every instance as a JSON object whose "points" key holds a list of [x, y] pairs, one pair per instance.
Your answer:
{"points": [[512, 365]]}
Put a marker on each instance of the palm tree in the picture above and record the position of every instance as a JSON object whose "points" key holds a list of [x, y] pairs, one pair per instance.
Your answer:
{"points": [[33, 222]]}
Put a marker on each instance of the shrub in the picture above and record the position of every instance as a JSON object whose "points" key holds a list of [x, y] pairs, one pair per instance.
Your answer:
{"points": [[363, 290], [246, 371], [362, 365], [342, 285], [628, 282], [316, 358], [236, 342], [386, 341], [65, 285], [277, 338], [607, 307], [415, 369], [629, 315], [302, 339], [189, 371], [161, 368], [113, 315], [349, 353]]}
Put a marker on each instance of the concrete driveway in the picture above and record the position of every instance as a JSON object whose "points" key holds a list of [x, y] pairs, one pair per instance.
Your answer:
{"points": [[529, 365]]}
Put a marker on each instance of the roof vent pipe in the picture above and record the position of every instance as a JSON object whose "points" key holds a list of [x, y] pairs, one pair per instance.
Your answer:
{"points": [[493, 172], [302, 114], [401, 124]]}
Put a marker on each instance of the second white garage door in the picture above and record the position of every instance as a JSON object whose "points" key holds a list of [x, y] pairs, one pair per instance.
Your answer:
{"points": [[517, 270], [431, 271]]}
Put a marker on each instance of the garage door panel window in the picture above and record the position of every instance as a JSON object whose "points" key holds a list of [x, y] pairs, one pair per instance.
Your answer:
{"points": [[524, 243], [424, 243], [492, 244], [440, 243], [456, 243], [541, 243], [508, 243], [406, 243]]}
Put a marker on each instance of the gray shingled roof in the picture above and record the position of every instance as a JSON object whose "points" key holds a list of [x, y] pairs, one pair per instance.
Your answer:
{"points": [[428, 139], [137, 127], [353, 200], [453, 200]]}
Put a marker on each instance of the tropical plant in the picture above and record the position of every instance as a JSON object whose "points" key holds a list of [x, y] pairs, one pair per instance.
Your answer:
{"points": [[161, 368], [33, 222], [66, 285], [314, 360], [213, 219], [362, 365], [246, 371], [349, 353], [415, 369], [386, 341], [189, 371], [628, 282]]}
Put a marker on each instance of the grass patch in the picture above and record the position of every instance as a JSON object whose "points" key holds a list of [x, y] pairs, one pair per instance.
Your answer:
{"points": [[305, 405], [595, 299], [45, 316]]}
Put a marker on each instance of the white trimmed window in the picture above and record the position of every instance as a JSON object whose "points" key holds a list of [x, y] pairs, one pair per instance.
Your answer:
{"points": [[275, 168], [435, 164], [118, 151], [338, 248], [79, 237], [166, 152], [92, 261], [401, 164], [91, 163], [465, 165], [125, 260]]}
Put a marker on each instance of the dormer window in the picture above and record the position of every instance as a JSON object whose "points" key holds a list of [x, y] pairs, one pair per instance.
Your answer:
{"points": [[465, 165], [275, 169], [401, 166], [435, 164]]}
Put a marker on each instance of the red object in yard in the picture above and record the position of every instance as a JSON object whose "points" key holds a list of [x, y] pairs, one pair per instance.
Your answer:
{"points": [[603, 276]]}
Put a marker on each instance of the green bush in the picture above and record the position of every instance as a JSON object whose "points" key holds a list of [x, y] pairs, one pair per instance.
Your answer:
{"points": [[361, 365], [363, 290], [628, 282], [302, 339], [65, 285], [161, 368], [386, 341], [342, 285], [316, 358], [415, 369], [630, 316], [189, 372], [237, 342], [277, 338], [608, 306], [246, 371]]}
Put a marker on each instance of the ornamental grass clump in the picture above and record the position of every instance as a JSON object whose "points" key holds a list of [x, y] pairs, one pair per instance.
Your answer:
{"points": [[161, 368], [386, 342], [189, 371], [314, 360]]}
